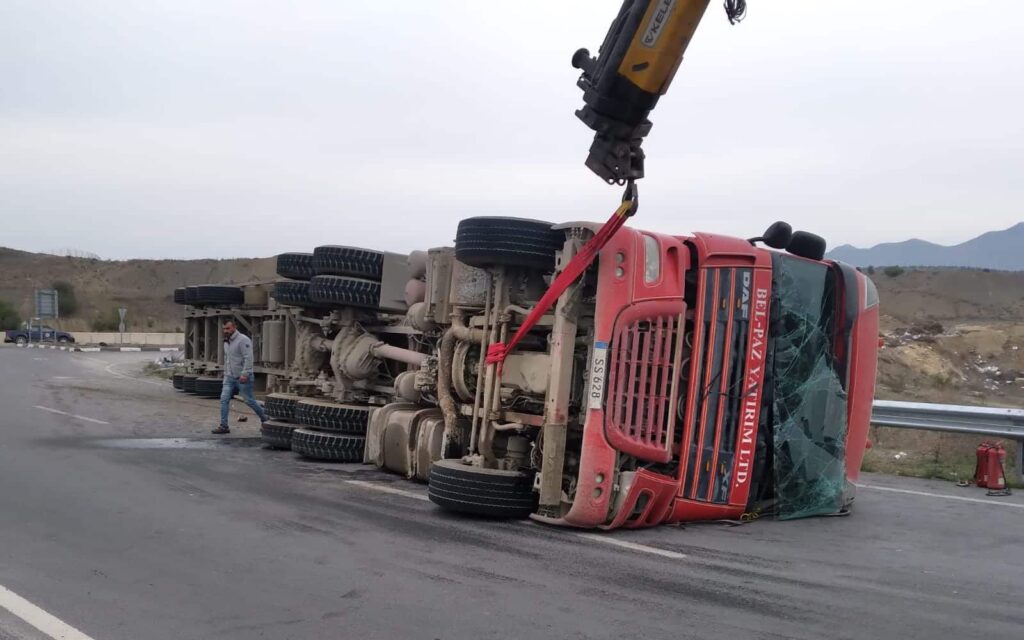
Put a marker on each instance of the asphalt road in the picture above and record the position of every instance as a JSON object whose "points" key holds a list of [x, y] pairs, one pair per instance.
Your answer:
{"points": [[122, 517]]}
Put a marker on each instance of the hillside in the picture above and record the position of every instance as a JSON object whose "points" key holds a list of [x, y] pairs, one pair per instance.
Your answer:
{"points": [[144, 287], [992, 250]]}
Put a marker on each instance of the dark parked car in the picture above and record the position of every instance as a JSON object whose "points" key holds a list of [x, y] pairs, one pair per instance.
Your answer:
{"points": [[41, 333]]}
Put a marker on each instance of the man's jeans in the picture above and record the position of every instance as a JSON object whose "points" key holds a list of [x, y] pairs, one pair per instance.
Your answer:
{"points": [[231, 385]]}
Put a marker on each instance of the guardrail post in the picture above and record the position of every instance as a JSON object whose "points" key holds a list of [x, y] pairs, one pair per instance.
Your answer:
{"points": [[1020, 462]]}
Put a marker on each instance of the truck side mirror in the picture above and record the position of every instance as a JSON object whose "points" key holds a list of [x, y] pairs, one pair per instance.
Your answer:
{"points": [[807, 245], [776, 236]]}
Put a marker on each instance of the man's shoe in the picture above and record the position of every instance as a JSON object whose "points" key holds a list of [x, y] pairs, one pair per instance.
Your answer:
{"points": [[220, 430]]}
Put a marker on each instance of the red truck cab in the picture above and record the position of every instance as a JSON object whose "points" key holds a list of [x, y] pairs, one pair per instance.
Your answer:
{"points": [[724, 378]]}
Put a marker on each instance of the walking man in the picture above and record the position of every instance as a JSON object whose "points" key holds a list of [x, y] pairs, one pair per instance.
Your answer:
{"points": [[237, 375]]}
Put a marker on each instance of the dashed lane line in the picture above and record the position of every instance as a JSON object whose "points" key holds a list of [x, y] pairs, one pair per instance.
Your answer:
{"points": [[70, 415]]}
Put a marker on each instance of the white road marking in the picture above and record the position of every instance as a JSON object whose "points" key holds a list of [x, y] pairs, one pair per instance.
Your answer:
{"points": [[383, 488], [70, 415], [632, 546], [593, 537], [997, 503], [49, 624], [110, 369]]}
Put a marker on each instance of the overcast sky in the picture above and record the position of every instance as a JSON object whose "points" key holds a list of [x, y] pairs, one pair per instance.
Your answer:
{"points": [[239, 128]]}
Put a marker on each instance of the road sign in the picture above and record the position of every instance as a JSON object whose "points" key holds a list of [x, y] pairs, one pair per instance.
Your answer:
{"points": [[121, 311], [46, 303]]}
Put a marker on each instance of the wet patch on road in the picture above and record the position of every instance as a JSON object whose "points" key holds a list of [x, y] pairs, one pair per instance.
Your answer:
{"points": [[178, 443]]}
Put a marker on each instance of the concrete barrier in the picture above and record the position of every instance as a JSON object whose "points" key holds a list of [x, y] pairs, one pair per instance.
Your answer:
{"points": [[135, 339]]}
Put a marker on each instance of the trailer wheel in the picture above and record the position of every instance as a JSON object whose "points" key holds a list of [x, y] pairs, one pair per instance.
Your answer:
{"points": [[176, 380], [334, 447], [188, 382], [293, 294], [217, 294], [281, 406], [515, 242], [208, 386], [339, 291], [277, 434], [329, 416], [485, 492], [332, 260], [179, 295], [297, 266]]}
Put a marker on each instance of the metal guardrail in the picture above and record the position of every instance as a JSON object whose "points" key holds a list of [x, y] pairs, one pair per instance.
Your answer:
{"points": [[953, 418]]}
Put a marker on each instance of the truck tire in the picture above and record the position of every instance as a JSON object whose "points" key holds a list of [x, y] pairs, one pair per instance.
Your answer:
{"points": [[277, 434], [320, 445], [293, 294], [340, 291], [514, 242], [218, 294], [332, 260], [208, 386], [485, 492], [188, 382], [176, 380], [179, 295], [281, 406], [297, 266], [21, 340], [329, 416], [190, 295]]}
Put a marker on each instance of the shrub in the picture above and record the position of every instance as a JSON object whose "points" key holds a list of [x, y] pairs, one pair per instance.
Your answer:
{"points": [[893, 272], [109, 321], [67, 302], [9, 316]]}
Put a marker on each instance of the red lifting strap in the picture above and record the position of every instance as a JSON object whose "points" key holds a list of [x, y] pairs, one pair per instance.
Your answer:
{"points": [[498, 351]]}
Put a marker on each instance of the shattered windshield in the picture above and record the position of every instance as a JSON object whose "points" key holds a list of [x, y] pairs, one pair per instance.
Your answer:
{"points": [[809, 402]]}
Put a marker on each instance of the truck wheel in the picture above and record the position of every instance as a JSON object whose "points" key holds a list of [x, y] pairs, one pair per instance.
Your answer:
{"points": [[332, 260], [177, 380], [281, 406], [277, 434], [297, 266], [179, 296], [21, 340], [334, 447], [293, 294], [339, 291], [218, 294], [208, 386], [513, 242], [188, 382], [328, 416], [485, 492], [190, 295]]}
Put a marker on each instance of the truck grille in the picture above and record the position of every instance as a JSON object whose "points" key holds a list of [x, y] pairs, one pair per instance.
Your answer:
{"points": [[719, 353], [643, 379]]}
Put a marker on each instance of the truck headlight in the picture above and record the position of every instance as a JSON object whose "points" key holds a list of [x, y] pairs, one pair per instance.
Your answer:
{"points": [[652, 260]]}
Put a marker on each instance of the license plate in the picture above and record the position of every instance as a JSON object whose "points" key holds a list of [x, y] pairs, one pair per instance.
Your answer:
{"points": [[598, 371]]}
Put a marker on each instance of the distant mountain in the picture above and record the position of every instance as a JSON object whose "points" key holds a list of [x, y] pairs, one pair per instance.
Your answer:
{"points": [[993, 250]]}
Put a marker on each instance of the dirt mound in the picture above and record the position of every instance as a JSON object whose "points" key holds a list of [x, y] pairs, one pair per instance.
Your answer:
{"points": [[144, 287]]}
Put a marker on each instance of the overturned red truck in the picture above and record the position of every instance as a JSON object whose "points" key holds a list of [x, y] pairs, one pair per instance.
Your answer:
{"points": [[681, 378], [672, 379]]}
